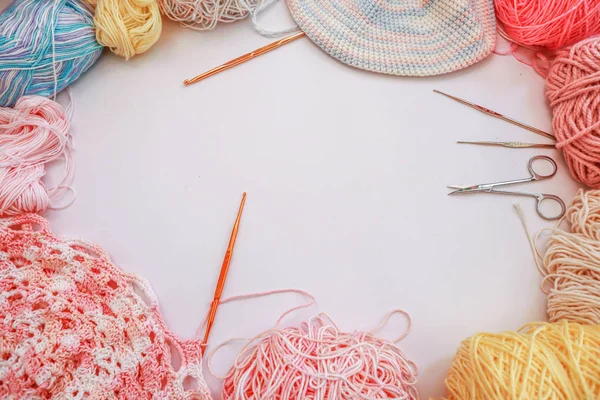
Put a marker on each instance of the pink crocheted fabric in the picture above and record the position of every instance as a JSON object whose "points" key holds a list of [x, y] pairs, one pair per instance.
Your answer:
{"points": [[73, 326]]}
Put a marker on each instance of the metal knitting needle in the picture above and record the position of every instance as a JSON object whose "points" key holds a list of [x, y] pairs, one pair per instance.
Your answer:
{"points": [[512, 145], [222, 275], [244, 58], [498, 115]]}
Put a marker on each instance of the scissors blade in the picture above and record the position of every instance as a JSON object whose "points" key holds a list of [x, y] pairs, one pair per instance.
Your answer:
{"points": [[467, 189]]}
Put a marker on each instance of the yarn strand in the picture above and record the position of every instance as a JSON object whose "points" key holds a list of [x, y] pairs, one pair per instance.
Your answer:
{"points": [[256, 9]]}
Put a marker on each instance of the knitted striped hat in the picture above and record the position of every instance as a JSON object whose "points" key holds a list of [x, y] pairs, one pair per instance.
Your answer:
{"points": [[400, 37]]}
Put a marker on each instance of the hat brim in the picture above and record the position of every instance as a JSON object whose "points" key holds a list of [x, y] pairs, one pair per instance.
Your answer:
{"points": [[438, 37]]}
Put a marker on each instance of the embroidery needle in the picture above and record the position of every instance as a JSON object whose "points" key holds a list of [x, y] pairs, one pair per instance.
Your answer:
{"points": [[222, 275], [512, 145], [244, 58], [498, 115]]}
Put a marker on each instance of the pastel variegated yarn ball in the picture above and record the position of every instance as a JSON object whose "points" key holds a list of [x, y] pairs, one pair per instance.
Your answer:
{"points": [[74, 326], [44, 47]]}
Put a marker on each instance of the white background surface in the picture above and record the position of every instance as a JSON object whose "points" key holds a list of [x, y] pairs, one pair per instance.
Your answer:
{"points": [[346, 175]]}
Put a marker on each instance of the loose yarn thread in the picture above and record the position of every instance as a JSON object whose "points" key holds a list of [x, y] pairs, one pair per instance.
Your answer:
{"points": [[32, 134], [571, 263], [256, 9], [316, 360], [540, 361], [547, 24], [573, 89], [44, 47], [127, 27]]}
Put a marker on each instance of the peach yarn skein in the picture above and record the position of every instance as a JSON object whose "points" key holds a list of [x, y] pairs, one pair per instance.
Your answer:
{"points": [[571, 263]]}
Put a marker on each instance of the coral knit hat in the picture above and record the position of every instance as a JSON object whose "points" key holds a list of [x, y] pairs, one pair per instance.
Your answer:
{"points": [[400, 37]]}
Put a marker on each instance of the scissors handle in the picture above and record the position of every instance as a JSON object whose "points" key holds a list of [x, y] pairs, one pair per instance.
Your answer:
{"points": [[536, 175], [541, 197]]}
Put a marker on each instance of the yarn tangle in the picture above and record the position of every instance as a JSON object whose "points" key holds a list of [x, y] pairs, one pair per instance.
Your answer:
{"points": [[547, 24], [127, 27], [573, 89], [44, 47], [205, 14], [318, 361], [74, 326], [571, 263], [32, 134], [540, 361]]}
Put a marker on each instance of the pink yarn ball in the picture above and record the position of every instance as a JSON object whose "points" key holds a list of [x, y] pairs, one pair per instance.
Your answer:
{"points": [[551, 24], [317, 361], [573, 88], [33, 133]]}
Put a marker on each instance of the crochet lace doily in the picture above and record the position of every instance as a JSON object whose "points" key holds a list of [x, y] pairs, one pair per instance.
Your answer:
{"points": [[74, 326]]}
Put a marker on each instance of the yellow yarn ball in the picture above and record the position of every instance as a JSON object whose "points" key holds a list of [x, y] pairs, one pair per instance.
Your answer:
{"points": [[541, 361], [127, 27]]}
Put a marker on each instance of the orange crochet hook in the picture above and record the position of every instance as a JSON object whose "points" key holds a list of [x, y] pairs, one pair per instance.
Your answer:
{"points": [[222, 275], [244, 58]]}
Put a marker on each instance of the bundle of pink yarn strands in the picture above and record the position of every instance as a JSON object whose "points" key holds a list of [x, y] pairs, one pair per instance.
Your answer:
{"points": [[317, 361], [573, 88], [32, 134], [550, 24]]}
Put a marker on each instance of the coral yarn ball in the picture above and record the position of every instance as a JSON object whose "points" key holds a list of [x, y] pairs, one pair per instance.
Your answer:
{"points": [[546, 23], [573, 88]]}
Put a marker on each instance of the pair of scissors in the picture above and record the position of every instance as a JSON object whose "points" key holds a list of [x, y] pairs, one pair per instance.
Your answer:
{"points": [[535, 176]]}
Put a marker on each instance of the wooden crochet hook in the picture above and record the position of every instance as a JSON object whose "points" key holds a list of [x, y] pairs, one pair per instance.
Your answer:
{"points": [[244, 58], [498, 115], [223, 275]]}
